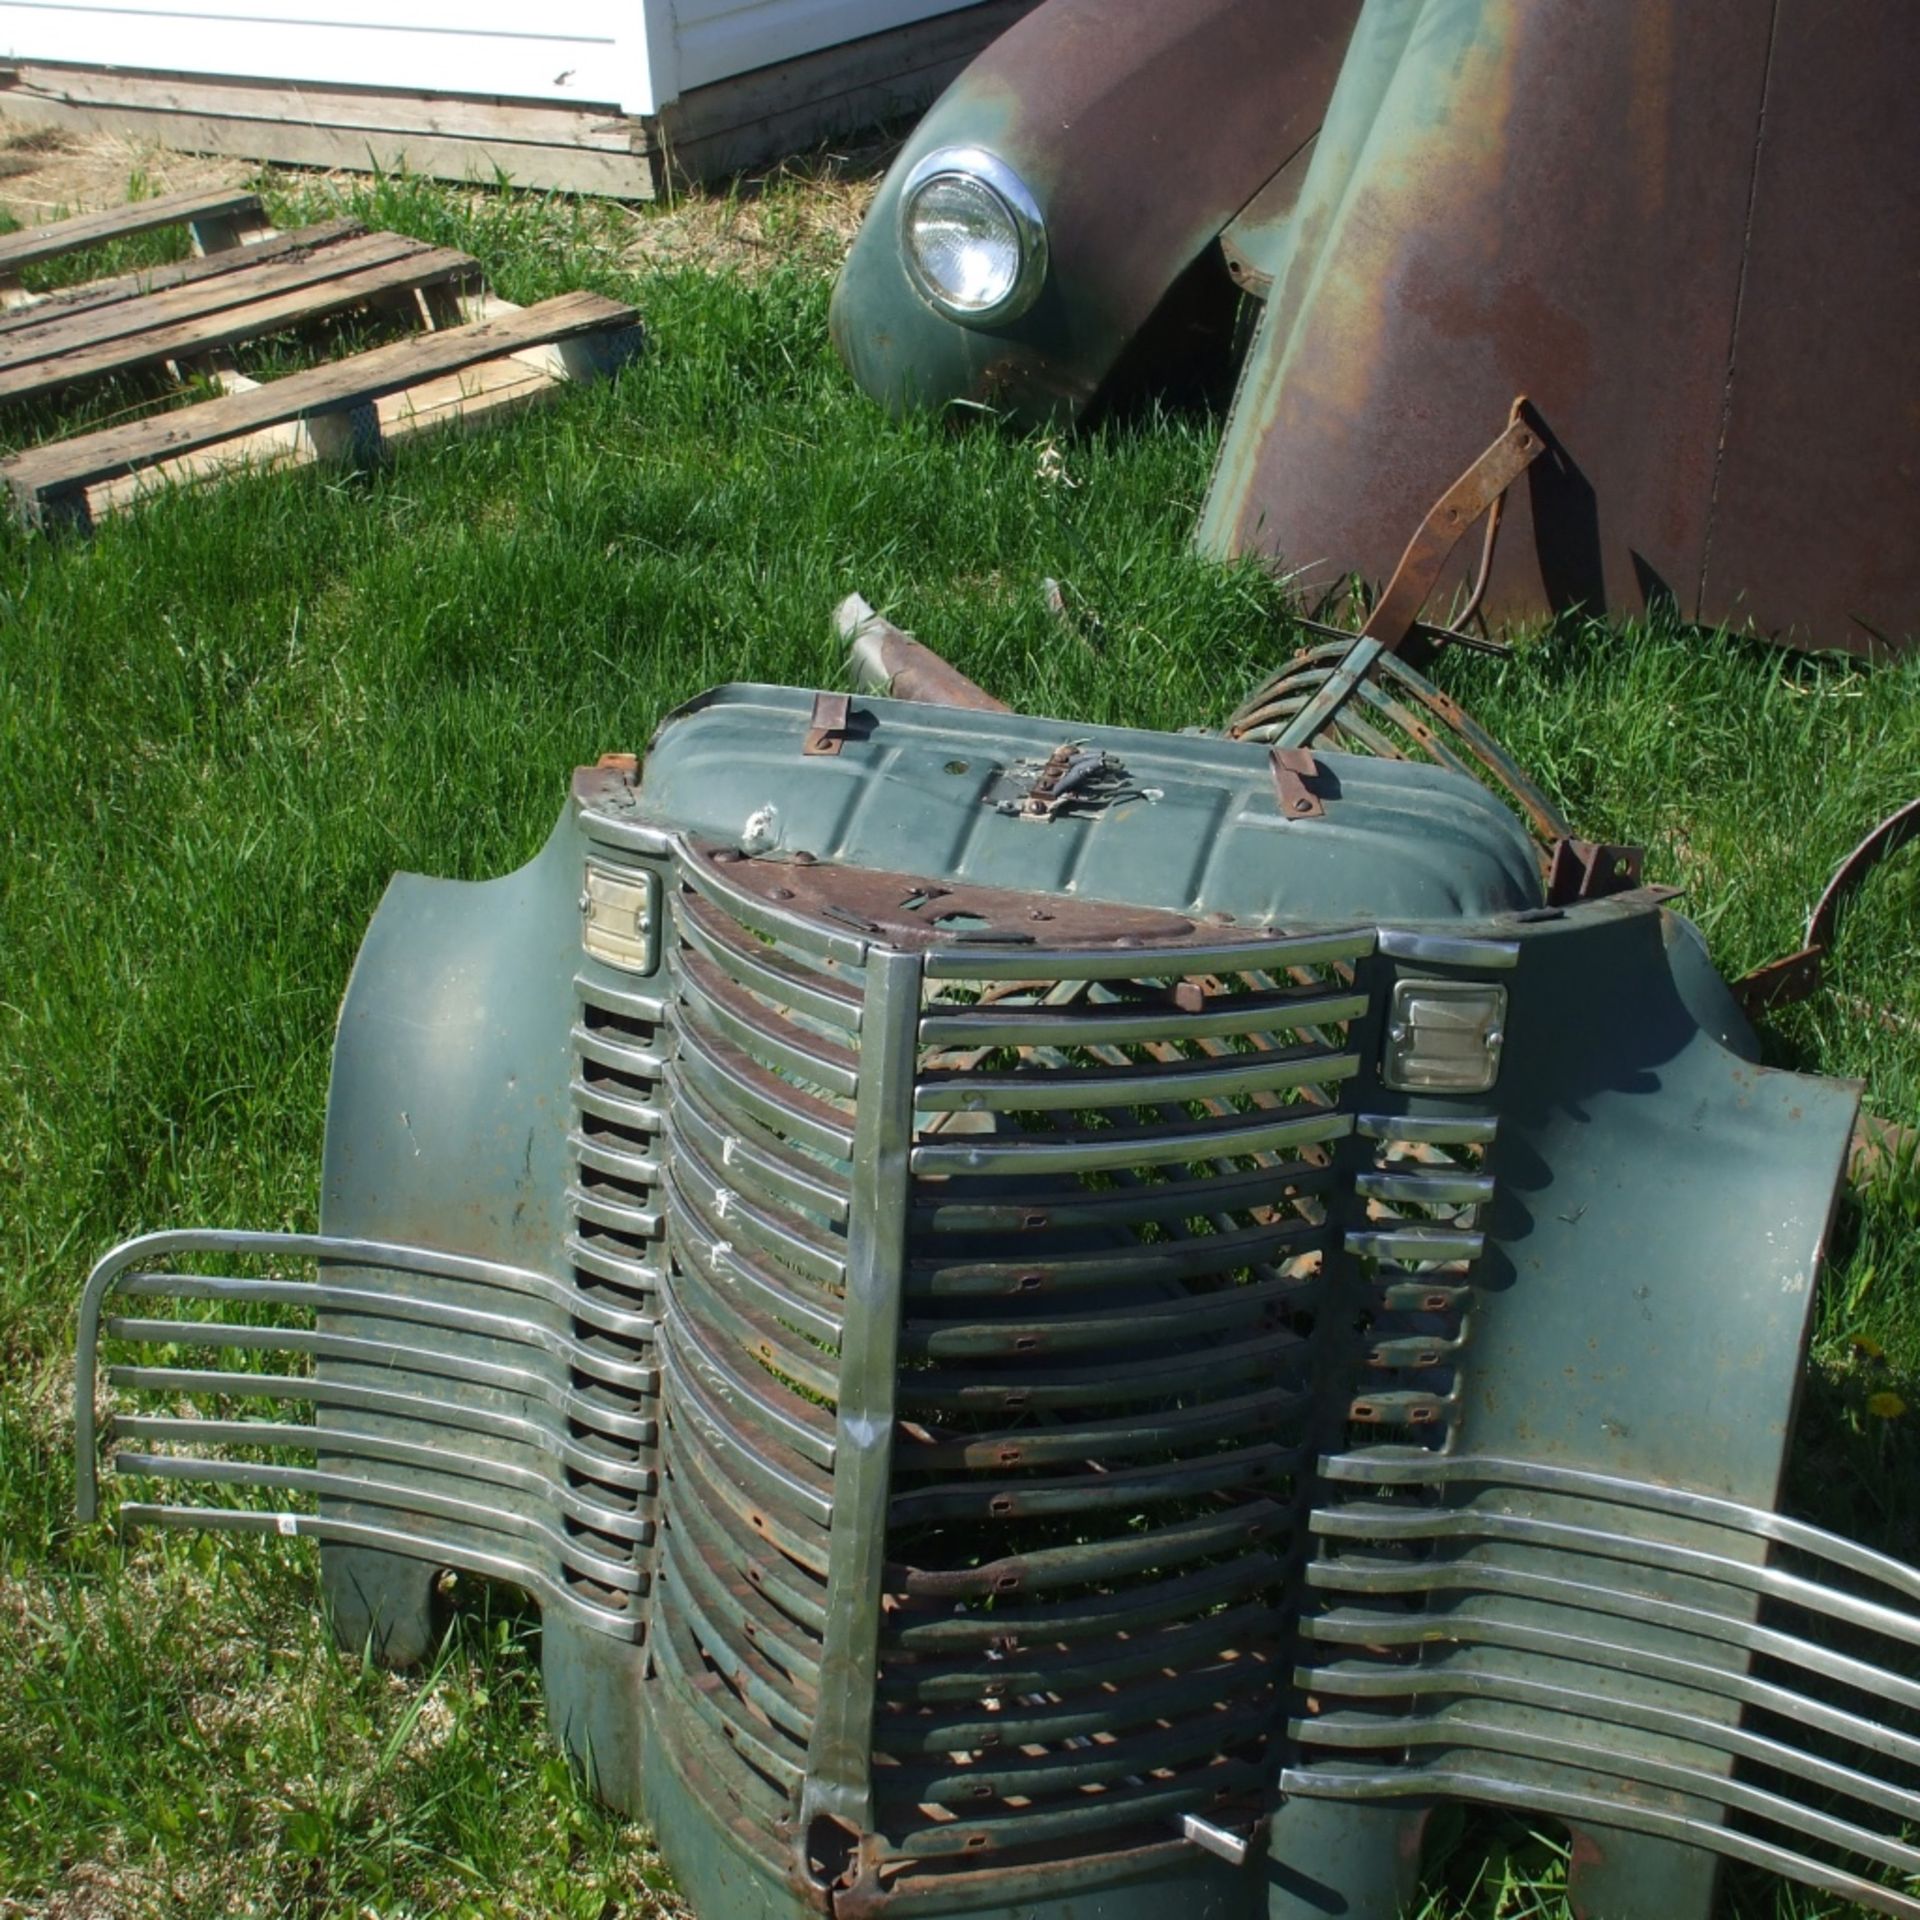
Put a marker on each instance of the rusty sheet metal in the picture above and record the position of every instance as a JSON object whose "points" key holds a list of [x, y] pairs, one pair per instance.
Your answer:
{"points": [[883, 658], [1140, 138], [1688, 233]]}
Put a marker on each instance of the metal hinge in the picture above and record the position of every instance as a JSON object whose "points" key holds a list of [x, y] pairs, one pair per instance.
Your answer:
{"points": [[827, 727], [1297, 778]]}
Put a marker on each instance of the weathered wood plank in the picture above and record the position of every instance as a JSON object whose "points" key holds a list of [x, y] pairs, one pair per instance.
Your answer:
{"points": [[350, 109], [169, 307], [26, 249], [226, 328], [471, 398], [176, 273], [554, 167], [583, 328]]}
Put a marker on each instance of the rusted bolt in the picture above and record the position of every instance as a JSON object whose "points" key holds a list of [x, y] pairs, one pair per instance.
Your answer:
{"points": [[805, 860], [779, 893], [726, 856]]}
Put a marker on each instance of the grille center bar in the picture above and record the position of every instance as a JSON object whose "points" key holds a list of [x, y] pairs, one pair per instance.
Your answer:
{"points": [[837, 1805]]}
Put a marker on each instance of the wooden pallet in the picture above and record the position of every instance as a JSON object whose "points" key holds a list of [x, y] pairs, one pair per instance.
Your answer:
{"points": [[475, 356]]}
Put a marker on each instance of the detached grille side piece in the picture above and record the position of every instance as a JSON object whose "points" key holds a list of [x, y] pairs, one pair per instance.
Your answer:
{"points": [[1586, 1648], [456, 1462]]}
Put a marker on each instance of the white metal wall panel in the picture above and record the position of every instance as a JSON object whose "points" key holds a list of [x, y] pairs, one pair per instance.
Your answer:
{"points": [[633, 55], [572, 51]]}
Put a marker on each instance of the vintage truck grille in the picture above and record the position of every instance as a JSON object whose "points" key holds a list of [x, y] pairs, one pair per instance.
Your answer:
{"points": [[1121, 1221], [1120, 1203], [1422, 1187], [762, 1128], [613, 1249]]}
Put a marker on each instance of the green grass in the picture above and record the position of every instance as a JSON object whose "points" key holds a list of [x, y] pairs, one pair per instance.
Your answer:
{"points": [[230, 716]]}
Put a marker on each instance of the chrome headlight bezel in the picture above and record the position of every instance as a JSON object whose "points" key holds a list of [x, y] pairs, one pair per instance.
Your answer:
{"points": [[982, 168]]}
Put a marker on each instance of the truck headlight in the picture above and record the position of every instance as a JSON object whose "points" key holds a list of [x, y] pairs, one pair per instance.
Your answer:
{"points": [[972, 235]]}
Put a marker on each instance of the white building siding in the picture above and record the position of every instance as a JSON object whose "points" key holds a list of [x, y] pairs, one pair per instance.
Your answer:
{"points": [[630, 55]]}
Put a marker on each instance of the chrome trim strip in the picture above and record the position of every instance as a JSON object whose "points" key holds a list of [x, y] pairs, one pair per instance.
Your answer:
{"points": [[606, 1049], [767, 971], [573, 1553], [605, 1103], [1129, 1148], [700, 1059], [1623, 1810], [825, 1064], [1049, 1089], [348, 1444], [1448, 950], [1164, 960], [1416, 1243], [632, 836], [1391, 1467], [796, 930], [1228, 1015], [518, 1573], [1424, 1189], [627, 1001]]}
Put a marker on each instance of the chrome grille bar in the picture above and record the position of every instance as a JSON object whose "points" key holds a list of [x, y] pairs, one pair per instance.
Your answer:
{"points": [[1563, 1707]]}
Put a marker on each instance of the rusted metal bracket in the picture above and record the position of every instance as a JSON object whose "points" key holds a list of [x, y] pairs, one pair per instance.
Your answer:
{"points": [[1296, 777], [1590, 870], [1795, 976], [827, 727], [1480, 490]]}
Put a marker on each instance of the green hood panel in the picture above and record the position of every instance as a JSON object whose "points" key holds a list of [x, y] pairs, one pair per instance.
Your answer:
{"points": [[1194, 822]]}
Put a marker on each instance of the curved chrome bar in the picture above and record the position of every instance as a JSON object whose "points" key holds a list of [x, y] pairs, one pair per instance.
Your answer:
{"points": [[1637, 1727], [293, 1246]]}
